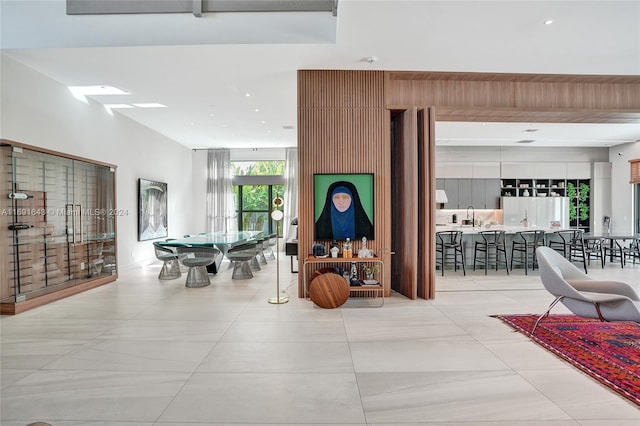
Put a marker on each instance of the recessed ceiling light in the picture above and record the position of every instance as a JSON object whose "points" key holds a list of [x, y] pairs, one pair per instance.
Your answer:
{"points": [[247, 94], [263, 122], [97, 90], [548, 22], [288, 127], [531, 130], [150, 105], [117, 106], [526, 141], [256, 110]]}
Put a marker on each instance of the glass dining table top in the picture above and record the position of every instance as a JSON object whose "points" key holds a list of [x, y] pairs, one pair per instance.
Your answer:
{"points": [[214, 238]]}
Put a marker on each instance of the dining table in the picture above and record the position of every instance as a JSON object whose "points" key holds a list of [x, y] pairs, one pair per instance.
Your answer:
{"points": [[223, 241], [612, 238]]}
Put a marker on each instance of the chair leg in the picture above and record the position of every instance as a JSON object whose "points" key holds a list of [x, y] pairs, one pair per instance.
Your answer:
{"points": [[197, 277], [557, 299]]}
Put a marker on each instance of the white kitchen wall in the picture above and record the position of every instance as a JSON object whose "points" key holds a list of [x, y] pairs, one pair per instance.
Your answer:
{"points": [[39, 111]]}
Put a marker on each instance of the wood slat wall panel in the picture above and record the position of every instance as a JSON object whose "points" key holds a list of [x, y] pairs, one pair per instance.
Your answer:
{"points": [[512, 91], [577, 95], [334, 138], [485, 94], [536, 78], [340, 89]]}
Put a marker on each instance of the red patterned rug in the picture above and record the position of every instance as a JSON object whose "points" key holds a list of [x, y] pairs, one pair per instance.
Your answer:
{"points": [[607, 351]]}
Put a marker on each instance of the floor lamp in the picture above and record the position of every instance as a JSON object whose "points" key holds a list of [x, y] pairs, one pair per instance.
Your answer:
{"points": [[278, 215]]}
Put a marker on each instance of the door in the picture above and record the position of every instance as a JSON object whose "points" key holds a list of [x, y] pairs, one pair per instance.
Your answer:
{"points": [[404, 208]]}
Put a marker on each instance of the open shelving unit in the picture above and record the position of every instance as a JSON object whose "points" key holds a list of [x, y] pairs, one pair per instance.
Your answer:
{"points": [[533, 187]]}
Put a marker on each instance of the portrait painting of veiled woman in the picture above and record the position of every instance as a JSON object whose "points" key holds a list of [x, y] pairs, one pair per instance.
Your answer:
{"points": [[344, 207]]}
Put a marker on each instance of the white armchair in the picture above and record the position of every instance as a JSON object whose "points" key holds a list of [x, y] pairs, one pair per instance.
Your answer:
{"points": [[586, 297]]}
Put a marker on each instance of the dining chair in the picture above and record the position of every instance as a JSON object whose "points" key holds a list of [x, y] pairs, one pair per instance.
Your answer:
{"points": [[492, 244], [633, 251], [272, 240], [170, 264], [594, 247], [240, 256], [615, 251], [197, 259], [449, 247]]}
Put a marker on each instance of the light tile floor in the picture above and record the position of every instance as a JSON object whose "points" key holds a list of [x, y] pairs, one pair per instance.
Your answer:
{"points": [[144, 352]]}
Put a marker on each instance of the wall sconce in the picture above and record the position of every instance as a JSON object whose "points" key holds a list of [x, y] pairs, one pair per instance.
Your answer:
{"points": [[441, 198]]}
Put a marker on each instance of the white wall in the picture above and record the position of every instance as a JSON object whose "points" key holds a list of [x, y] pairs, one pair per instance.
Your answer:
{"points": [[621, 190], [38, 111]]}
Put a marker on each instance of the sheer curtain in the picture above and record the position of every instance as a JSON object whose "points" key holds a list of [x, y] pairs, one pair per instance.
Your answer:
{"points": [[290, 191], [221, 210]]}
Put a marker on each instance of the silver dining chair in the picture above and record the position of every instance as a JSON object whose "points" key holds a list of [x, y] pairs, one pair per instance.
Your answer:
{"points": [[197, 259], [241, 256], [170, 264]]}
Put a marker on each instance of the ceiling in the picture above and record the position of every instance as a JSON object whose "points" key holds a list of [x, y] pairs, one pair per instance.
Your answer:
{"points": [[202, 68]]}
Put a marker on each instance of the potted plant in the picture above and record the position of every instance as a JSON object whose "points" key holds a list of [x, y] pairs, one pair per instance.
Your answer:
{"points": [[369, 270]]}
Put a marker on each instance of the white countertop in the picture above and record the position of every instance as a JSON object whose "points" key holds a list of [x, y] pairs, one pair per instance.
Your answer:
{"points": [[468, 229]]}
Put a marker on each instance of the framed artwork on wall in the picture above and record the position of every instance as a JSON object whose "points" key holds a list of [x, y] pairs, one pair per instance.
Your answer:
{"points": [[152, 210], [343, 206]]}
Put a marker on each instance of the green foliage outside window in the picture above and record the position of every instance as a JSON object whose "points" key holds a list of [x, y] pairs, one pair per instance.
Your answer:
{"points": [[258, 168], [257, 199]]}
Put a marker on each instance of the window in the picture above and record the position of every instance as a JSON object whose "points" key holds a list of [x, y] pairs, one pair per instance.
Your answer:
{"points": [[255, 185]]}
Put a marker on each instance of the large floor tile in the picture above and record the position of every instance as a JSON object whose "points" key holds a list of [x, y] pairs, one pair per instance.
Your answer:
{"points": [[91, 396], [420, 356], [453, 397], [267, 398], [279, 357]]}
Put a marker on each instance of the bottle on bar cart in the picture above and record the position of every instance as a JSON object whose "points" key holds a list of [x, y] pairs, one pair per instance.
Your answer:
{"points": [[347, 251]]}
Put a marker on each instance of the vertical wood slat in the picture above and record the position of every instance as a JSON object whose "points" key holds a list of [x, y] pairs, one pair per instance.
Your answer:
{"points": [[335, 135]]}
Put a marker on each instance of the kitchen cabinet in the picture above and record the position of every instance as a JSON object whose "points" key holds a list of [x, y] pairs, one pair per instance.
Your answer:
{"points": [[479, 193], [580, 170], [519, 170], [57, 230]]}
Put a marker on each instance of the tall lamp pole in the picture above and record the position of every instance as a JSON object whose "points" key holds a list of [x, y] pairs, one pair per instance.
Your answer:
{"points": [[278, 215]]}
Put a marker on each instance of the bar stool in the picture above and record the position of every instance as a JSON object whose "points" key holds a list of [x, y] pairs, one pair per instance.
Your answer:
{"points": [[526, 242], [492, 245], [449, 245]]}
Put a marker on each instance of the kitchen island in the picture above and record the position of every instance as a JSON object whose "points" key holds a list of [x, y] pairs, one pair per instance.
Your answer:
{"points": [[471, 234]]}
